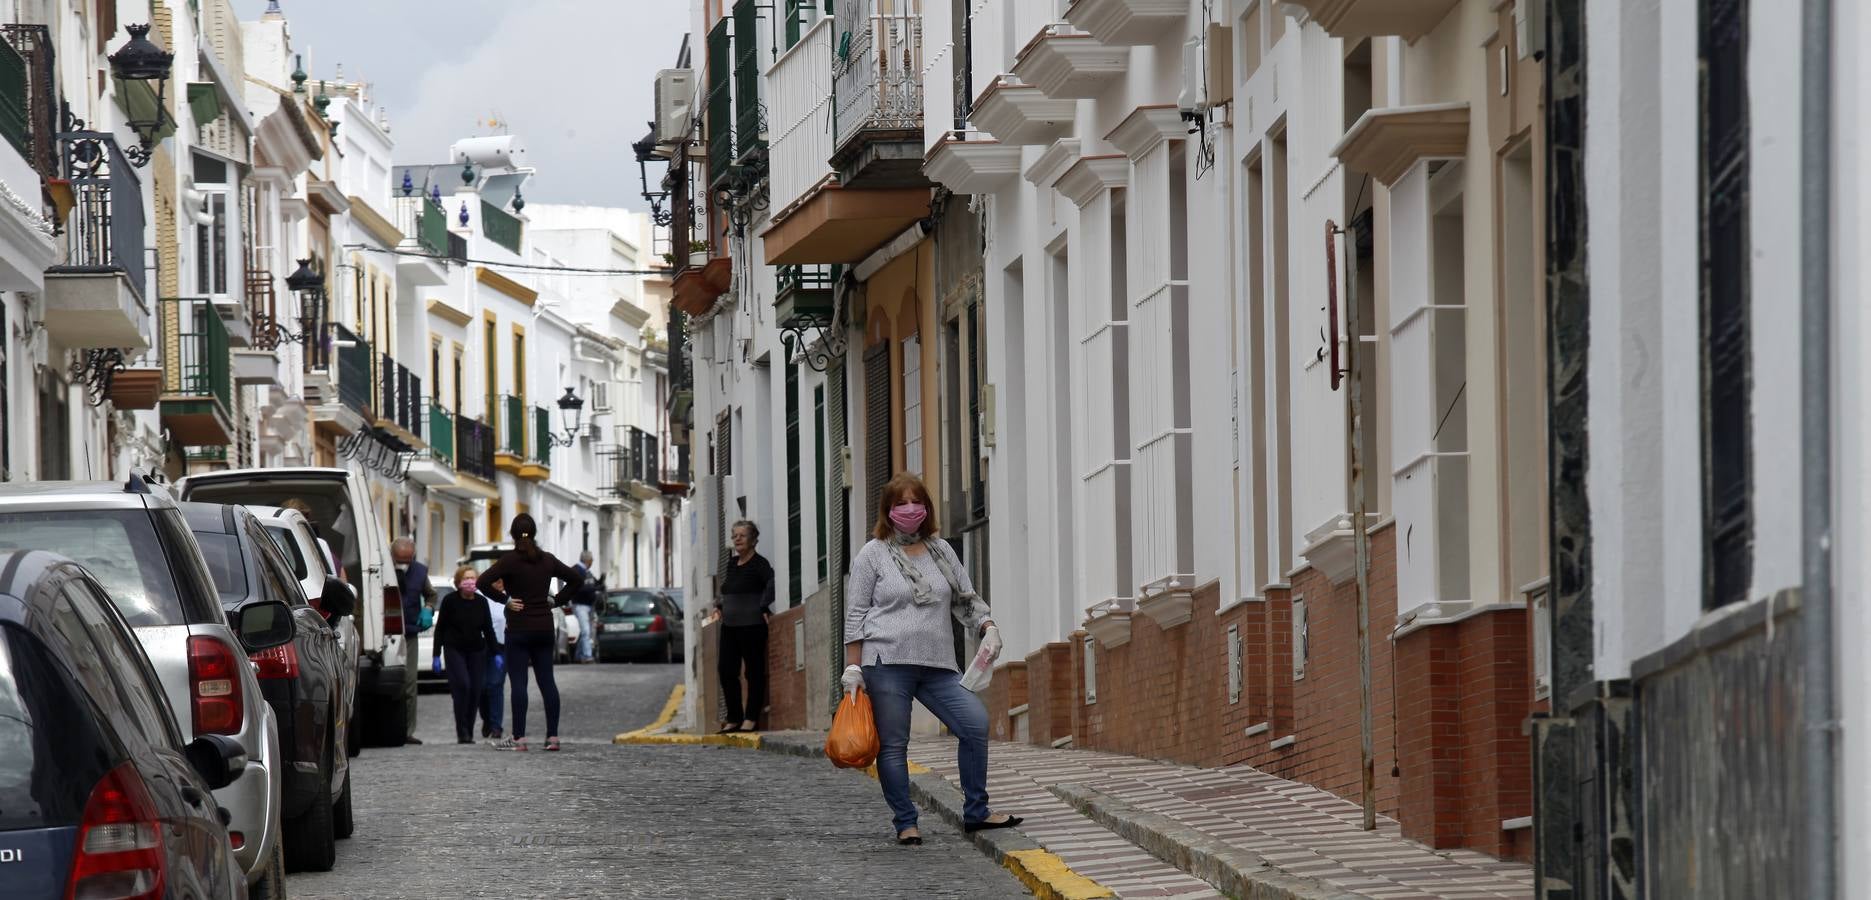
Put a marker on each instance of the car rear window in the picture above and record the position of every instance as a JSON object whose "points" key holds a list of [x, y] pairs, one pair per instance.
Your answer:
{"points": [[289, 548], [631, 604], [119, 547], [222, 552], [51, 749], [324, 503]]}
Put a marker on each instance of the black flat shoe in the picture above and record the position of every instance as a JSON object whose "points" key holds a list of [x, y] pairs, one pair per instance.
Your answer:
{"points": [[728, 729], [914, 840], [1009, 822]]}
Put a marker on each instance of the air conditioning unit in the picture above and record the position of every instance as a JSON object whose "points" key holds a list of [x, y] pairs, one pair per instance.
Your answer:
{"points": [[675, 92]]}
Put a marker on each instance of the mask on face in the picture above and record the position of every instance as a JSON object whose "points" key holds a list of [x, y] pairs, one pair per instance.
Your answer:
{"points": [[402, 567], [908, 517], [468, 585]]}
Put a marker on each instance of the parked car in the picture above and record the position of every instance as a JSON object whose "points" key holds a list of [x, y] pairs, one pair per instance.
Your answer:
{"points": [[639, 624], [99, 794], [312, 563], [132, 539], [480, 556], [303, 680], [341, 512]]}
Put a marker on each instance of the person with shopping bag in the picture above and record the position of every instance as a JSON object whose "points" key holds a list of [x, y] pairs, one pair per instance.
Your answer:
{"points": [[907, 585]]}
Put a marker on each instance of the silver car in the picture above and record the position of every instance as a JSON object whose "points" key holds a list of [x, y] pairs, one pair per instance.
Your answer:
{"points": [[133, 540]]}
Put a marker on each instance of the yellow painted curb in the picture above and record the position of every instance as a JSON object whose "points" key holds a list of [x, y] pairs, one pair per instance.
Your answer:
{"points": [[1049, 878], [915, 768], [662, 719], [749, 741]]}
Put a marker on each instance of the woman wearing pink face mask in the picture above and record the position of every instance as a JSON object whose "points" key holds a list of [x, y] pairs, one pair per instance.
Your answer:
{"points": [[464, 633], [907, 586]]}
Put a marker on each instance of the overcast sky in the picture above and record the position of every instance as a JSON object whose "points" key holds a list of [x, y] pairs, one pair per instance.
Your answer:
{"points": [[571, 78]]}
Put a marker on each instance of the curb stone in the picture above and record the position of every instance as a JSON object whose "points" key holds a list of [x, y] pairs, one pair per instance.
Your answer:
{"points": [[1041, 871], [1231, 870]]}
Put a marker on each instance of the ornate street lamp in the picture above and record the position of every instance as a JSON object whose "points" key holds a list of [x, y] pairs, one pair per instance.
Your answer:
{"points": [[571, 415], [309, 284], [141, 60]]}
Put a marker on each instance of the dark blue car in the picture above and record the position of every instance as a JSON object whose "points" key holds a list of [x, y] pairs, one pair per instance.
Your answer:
{"points": [[98, 794]]}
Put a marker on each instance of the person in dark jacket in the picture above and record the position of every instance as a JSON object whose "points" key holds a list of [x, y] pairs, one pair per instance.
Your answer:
{"points": [[412, 582], [585, 597], [745, 606], [464, 634], [528, 572]]}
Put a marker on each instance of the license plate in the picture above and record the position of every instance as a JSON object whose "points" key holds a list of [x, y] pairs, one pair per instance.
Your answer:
{"points": [[627, 626]]}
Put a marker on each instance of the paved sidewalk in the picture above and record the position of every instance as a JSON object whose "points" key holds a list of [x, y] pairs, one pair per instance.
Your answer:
{"points": [[1239, 812]]}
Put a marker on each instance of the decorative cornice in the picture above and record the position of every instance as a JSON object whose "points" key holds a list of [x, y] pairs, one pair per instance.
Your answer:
{"points": [[1146, 127], [971, 166], [1069, 64], [1127, 22], [442, 310], [1352, 19], [379, 227], [1021, 114], [505, 285], [1093, 175], [1059, 157], [1386, 142], [327, 197]]}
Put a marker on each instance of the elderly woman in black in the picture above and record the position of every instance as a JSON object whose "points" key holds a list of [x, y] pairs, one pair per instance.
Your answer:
{"points": [[528, 572], [744, 607]]}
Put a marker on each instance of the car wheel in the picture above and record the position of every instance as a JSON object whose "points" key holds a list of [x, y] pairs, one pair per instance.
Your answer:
{"points": [[311, 841], [272, 883], [353, 735], [342, 824], [387, 721]]}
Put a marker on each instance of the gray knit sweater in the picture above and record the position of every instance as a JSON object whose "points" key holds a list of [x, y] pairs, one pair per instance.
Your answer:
{"points": [[882, 612]]}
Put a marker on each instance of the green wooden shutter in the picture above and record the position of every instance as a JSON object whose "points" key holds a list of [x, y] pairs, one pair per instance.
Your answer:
{"points": [[876, 425], [795, 542], [818, 443]]}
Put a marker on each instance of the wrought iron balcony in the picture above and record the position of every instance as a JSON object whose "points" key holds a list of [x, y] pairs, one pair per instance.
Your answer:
{"points": [[441, 433], [29, 103], [198, 381], [501, 227], [878, 85], [474, 448], [435, 466], [95, 297], [355, 361], [400, 393]]}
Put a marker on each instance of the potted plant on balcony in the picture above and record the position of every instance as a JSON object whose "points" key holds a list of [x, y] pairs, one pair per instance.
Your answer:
{"points": [[698, 253]]}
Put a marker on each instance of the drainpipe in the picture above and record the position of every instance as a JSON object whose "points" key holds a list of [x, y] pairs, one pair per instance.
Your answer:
{"points": [[1819, 737]]}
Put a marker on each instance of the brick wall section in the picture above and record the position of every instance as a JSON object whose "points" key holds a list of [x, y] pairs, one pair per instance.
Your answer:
{"points": [[1006, 691], [786, 686], [1429, 720], [1052, 691], [1158, 695]]}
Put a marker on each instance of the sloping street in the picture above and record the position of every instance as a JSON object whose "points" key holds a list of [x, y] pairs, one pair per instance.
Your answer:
{"points": [[443, 820]]}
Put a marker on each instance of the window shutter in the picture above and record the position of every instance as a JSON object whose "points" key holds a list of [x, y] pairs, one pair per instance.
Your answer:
{"points": [[876, 424], [724, 455], [795, 539]]}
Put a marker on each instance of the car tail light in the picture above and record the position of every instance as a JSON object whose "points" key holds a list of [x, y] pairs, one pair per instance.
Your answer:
{"points": [[659, 624], [214, 686], [279, 662], [392, 611], [236, 839], [119, 850]]}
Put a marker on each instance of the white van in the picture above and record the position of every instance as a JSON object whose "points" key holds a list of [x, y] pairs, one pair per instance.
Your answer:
{"points": [[337, 503]]}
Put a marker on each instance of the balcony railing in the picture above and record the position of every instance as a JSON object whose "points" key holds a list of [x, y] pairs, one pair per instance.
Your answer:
{"points": [[354, 370], [500, 226], [802, 128], [879, 74], [202, 364], [35, 94], [424, 221], [720, 103], [474, 448], [401, 392], [644, 462], [513, 422], [106, 225], [542, 436], [15, 102], [441, 433]]}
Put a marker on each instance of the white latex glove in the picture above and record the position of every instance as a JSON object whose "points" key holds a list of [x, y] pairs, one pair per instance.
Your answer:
{"points": [[852, 679], [990, 642]]}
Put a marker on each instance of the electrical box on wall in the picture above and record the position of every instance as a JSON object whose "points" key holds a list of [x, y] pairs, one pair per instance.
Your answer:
{"points": [[986, 425]]}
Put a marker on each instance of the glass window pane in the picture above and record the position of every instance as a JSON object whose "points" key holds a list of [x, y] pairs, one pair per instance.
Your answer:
{"points": [[119, 547]]}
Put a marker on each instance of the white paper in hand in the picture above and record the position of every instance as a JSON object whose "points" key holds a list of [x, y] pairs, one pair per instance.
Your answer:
{"points": [[981, 670]]}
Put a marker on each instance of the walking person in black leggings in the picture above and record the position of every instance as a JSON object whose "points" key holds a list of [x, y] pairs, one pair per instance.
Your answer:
{"points": [[745, 606], [464, 631], [528, 572]]}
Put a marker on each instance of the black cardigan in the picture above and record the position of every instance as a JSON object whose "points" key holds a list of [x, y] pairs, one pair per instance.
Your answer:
{"points": [[464, 625]]}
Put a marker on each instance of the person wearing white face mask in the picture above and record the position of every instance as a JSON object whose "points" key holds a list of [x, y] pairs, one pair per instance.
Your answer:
{"points": [[906, 587]]}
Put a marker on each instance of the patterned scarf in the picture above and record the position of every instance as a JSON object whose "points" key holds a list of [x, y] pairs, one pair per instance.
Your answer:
{"points": [[920, 591]]}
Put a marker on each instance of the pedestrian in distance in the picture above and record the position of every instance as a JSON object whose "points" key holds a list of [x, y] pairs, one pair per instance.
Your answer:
{"points": [[412, 582], [585, 596], [464, 635], [744, 608], [493, 697], [907, 585], [528, 572]]}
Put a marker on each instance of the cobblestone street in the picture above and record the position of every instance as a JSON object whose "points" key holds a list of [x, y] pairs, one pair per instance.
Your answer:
{"points": [[596, 820]]}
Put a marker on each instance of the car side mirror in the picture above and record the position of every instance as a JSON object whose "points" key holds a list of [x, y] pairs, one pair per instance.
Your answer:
{"points": [[264, 625], [337, 600], [217, 758]]}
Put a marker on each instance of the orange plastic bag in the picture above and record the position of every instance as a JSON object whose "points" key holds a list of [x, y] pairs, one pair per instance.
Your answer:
{"points": [[852, 743]]}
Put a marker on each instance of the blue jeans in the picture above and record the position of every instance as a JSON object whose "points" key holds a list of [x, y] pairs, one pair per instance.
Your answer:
{"points": [[532, 649], [583, 612], [892, 688], [492, 707]]}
